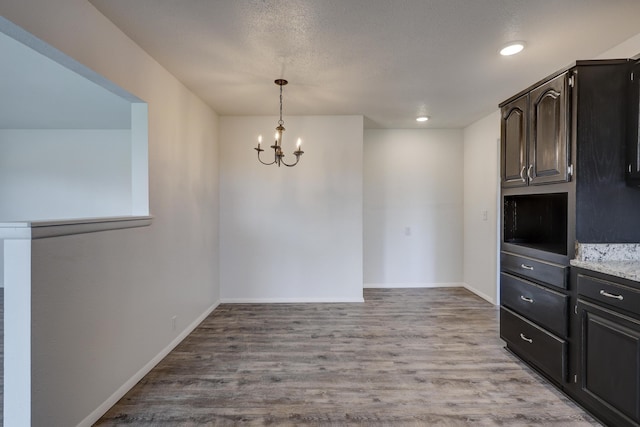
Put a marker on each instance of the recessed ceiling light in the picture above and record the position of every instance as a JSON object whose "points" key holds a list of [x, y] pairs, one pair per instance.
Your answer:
{"points": [[512, 48], [422, 119]]}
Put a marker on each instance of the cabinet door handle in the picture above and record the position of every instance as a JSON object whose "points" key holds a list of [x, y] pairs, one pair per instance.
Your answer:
{"points": [[608, 295], [524, 338], [526, 267], [522, 174], [529, 172], [529, 300]]}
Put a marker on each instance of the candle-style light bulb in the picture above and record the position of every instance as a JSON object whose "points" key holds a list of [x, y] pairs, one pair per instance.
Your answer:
{"points": [[298, 144], [277, 136], [259, 140]]}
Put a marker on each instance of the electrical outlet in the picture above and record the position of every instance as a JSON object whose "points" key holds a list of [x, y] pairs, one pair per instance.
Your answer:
{"points": [[485, 215]]}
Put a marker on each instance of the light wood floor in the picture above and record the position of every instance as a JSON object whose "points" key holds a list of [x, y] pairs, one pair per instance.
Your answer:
{"points": [[416, 357]]}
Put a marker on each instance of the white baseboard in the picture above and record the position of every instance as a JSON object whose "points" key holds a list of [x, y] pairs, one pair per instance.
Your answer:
{"points": [[430, 285], [104, 407], [413, 285], [480, 294], [287, 300]]}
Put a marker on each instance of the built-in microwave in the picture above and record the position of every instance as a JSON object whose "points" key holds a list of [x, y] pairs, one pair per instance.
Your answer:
{"points": [[537, 221]]}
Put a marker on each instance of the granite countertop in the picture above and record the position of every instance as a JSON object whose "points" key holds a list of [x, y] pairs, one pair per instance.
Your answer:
{"points": [[619, 259]]}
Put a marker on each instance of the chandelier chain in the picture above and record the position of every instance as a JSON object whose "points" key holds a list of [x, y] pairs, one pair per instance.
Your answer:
{"points": [[280, 122]]}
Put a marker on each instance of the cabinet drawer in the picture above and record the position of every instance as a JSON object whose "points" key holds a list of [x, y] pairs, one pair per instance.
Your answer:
{"points": [[534, 344], [536, 270], [612, 294], [543, 306]]}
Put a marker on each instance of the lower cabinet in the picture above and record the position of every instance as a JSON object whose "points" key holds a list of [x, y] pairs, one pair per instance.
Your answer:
{"points": [[608, 376], [585, 338]]}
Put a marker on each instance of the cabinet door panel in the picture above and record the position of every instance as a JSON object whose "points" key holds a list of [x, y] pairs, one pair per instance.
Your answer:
{"points": [[514, 142], [611, 360], [633, 136], [548, 133]]}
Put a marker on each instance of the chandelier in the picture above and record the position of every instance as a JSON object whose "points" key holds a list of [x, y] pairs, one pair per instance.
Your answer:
{"points": [[277, 145]]}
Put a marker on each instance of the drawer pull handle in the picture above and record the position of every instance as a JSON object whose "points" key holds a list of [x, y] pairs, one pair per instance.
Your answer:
{"points": [[526, 267], [529, 300], [608, 295], [524, 338]]}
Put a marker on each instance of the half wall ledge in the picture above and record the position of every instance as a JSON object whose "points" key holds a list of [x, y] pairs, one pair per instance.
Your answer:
{"points": [[45, 229]]}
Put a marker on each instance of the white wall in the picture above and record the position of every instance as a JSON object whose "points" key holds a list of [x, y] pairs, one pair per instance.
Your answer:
{"points": [[413, 200], [481, 193], [55, 173], [38, 92], [291, 234], [17, 325], [103, 302], [629, 48], [1, 264]]}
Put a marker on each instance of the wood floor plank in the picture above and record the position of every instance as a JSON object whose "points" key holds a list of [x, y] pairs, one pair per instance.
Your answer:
{"points": [[410, 357]]}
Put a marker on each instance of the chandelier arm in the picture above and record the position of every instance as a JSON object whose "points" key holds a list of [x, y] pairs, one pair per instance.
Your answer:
{"points": [[267, 164], [293, 164], [260, 160]]}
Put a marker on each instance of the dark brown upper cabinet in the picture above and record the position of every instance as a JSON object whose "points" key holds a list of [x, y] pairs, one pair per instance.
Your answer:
{"points": [[633, 136], [534, 136], [578, 131]]}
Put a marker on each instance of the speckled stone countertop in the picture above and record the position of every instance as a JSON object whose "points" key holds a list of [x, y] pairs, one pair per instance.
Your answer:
{"points": [[617, 259]]}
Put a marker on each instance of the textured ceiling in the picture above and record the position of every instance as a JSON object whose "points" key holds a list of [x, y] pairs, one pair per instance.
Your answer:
{"points": [[386, 60]]}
